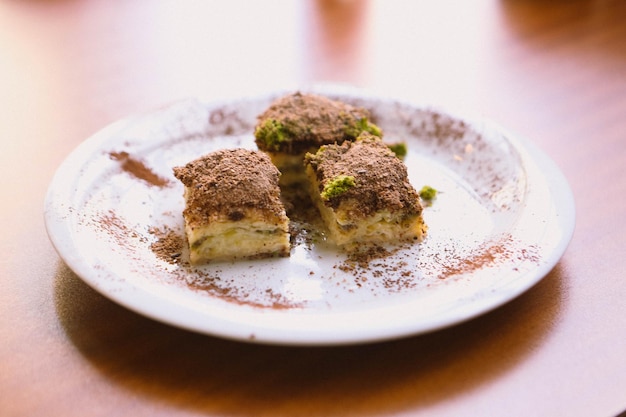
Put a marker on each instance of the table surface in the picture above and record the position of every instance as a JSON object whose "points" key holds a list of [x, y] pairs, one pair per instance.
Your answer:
{"points": [[552, 71]]}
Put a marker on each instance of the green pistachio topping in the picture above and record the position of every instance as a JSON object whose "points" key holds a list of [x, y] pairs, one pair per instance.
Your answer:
{"points": [[337, 186], [272, 133], [398, 148], [428, 193], [362, 125]]}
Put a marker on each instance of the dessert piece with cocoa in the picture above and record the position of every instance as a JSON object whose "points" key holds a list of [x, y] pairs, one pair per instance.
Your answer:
{"points": [[233, 207], [299, 123], [362, 191]]}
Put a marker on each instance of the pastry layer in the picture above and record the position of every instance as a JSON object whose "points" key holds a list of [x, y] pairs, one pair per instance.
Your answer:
{"points": [[237, 239]]}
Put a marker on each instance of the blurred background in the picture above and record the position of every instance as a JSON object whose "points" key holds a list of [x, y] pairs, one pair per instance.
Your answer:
{"points": [[101, 61]]}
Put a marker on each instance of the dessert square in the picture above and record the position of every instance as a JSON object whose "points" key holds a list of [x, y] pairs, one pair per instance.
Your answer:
{"points": [[299, 123], [363, 194], [233, 207]]}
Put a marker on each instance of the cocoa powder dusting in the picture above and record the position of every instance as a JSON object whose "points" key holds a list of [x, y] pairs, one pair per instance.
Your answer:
{"points": [[480, 259], [138, 169], [124, 235], [169, 246], [381, 180], [394, 270], [309, 121], [211, 284], [488, 254], [229, 183], [381, 263]]}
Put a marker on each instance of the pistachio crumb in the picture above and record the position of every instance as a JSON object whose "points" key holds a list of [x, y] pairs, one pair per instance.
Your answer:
{"points": [[428, 193], [337, 185], [273, 133], [399, 148]]}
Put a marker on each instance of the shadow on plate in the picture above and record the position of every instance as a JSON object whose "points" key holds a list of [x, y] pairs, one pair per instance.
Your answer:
{"points": [[207, 374]]}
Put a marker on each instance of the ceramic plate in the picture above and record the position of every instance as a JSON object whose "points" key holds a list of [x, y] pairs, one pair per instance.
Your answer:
{"points": [[502, 219]]}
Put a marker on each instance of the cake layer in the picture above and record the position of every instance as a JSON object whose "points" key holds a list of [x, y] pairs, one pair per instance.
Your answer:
{"points": [[291, 167], [237, 239]]}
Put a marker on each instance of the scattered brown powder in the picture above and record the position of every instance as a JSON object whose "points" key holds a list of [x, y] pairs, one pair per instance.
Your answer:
{"points": [[115, 227], [138, 169], [478, 260], [488, 254], [169, 245], [395, 268], [383, 264], [212, 285]]}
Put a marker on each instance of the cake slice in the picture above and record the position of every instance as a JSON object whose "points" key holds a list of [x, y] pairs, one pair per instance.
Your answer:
{"points": [[233, 207], [363, 194], [299, 123]]}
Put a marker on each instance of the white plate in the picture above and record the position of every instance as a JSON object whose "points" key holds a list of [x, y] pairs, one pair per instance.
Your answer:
{"points": [[503, 218]]}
